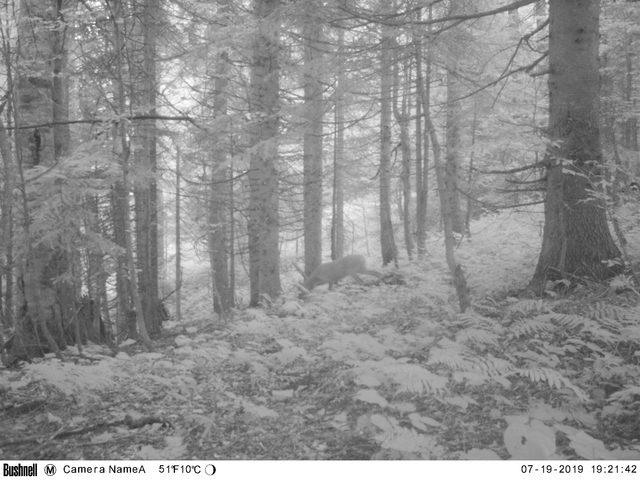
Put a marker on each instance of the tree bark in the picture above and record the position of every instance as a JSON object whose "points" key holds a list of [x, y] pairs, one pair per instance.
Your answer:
{"points": [[630, 127], [6, 228], [457, 273], [122, 149], [401, 113], [178, 244], [454, 118], [453, 146], [421, 199], [218, 241], [388, 247], [337, 218], [423, 105], [96, 278], [263, 221], [41, 99], [143, 97], [119, 208], [455, 269], [576, 238], [312, 148], [474, 124]]}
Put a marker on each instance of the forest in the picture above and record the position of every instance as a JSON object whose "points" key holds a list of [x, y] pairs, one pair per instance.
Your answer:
{"points": [[320, 229]]}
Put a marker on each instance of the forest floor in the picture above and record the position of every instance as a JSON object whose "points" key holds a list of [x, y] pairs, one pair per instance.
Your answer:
{"points": [[370, 371]]}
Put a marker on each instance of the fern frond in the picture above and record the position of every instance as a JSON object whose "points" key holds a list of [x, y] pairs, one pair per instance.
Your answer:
{"points": [[534, 357], [552, 378], [477, 335], [414, 378], [495, 367], [531, 326], [528, 307], [604, 312], [631, 332], [604, 332], [408, 376], [627, 394], [569, 322], [471, 319], [452, 358], [572, 344]]}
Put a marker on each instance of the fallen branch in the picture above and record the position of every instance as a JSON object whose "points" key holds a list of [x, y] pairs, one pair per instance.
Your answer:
{"points": [[126, 421], [23, 407]]}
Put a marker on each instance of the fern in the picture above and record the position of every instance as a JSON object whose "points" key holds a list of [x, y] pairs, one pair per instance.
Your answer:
{"points": [[471, 336], [454, 357], [396, 437], [631, 332], [408, 377], [607, 333], [531, 326], [627, 394], [415, 379], [470, 377], [569, 322], [572, 345], [603, 312], [471, 319], [553, 379], [496, 366], [532, 357], [528, 307]]}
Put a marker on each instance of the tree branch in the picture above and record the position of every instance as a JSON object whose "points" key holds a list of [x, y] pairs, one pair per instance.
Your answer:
{"points": [[399, 19], [513, 170], [104, 120]]}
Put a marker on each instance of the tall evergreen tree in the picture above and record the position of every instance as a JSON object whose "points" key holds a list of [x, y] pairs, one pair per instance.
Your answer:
{"points": [[576, 240], [263, 221]]}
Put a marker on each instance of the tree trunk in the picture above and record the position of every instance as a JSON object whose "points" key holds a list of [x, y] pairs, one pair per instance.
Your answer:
{"points": [[456, 271], [178, 238], [96, 277], [218, 241], [119, 208], [474, 124], [66, 292], [143, 97], [263, 221], [453, 145], [41, 99], [232, 235], [630, 128], [401, 113], [423, 104], [576, 239], [337, 218], [454, 121], [421, 230], [161, 215], [6, 229], [312, 148], [122, 149], [387, 241], [60, 81]]}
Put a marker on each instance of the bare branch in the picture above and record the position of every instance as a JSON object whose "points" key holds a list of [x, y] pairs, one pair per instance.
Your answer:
{"points": [[399, 19], [513, 170], [520, 190], [93, 121]]}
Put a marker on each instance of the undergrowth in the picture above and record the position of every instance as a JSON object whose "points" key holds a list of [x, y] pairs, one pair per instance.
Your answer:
{"points": [[369, 371]]}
